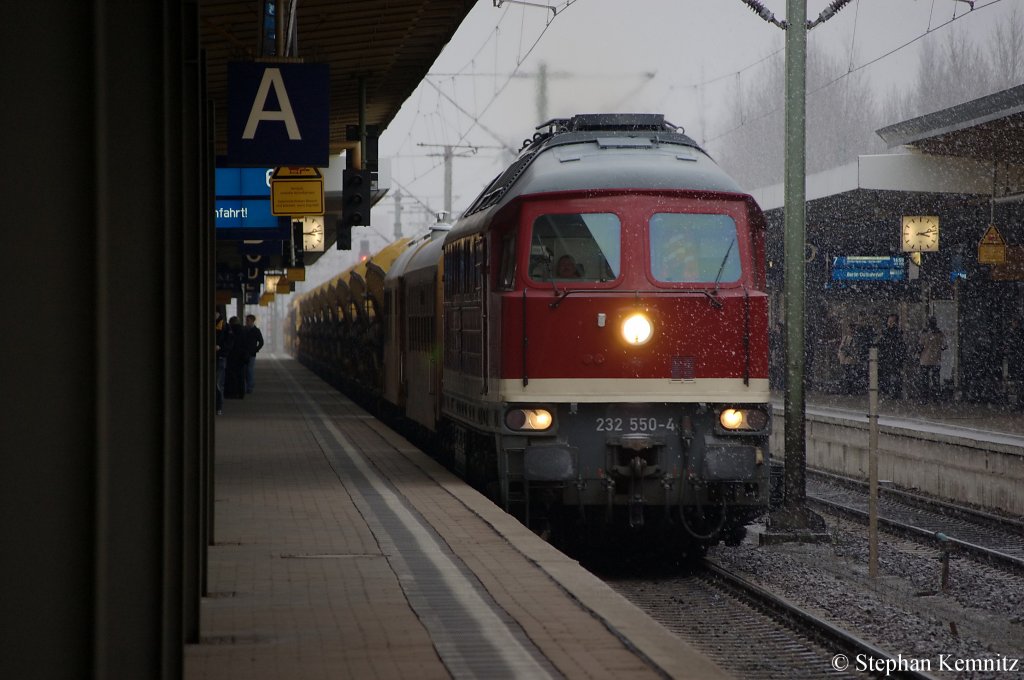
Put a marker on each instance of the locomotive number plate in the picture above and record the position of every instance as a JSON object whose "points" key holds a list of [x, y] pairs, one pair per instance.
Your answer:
{"points": [[634, 424]]}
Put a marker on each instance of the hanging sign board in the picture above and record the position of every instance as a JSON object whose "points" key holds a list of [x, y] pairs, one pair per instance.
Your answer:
{"points": [[278, 114], [992, 247], [297, 191], [869, 268]]}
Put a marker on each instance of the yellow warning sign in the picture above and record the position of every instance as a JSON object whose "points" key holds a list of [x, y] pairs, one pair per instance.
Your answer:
{"points": [[992, 237], [285, 172], [296, 191], [992, 247]]}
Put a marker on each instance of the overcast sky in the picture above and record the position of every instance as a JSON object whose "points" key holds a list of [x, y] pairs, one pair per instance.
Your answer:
{"points": [[682, 58]]}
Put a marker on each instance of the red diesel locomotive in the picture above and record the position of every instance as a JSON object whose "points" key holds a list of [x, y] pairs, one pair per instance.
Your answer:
{"points": [[589, 341]]}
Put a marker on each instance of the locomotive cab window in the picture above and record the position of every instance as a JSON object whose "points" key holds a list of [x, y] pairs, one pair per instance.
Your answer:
{"points": [[575, 247], [694, 248], [507, 272]]}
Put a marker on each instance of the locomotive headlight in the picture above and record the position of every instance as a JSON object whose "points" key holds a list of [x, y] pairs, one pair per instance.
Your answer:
{"points": [[637, 329], [535, 419], [748, 419]]}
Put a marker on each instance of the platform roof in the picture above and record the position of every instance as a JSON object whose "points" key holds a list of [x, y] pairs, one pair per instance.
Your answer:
{"points": [[988, 128], [945, 158], [389, 43]]}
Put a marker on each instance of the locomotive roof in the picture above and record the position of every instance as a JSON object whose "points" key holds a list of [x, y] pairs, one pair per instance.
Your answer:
{"points": [[606, 151]]}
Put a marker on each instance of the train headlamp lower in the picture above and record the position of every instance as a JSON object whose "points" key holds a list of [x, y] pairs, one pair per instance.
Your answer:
{"points": [[743, 419], [637, 329], [530, 419]]}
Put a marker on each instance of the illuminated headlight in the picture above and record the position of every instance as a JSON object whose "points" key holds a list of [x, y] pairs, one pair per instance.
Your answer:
{"points": [[528, 419], [637, 329], [745, 419]]}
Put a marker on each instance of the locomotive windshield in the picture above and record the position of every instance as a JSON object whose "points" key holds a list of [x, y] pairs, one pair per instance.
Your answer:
{"points": [[575, 246], [694, 248]]}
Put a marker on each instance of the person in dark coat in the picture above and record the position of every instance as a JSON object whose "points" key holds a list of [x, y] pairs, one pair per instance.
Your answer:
{"points": [[863, 339], [223, 344], [892, 354], [1013, 350], [238, 356], [253, 344]]}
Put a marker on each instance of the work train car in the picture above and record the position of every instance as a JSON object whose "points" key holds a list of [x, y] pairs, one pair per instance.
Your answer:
{"points": [[589, 342]]}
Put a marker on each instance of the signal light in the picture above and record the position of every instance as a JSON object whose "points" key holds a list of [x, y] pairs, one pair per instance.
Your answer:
{"points": [[344, 236], [355, 198]]}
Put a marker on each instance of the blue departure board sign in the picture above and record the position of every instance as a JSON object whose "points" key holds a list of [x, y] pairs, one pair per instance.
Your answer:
{"points": [[854, 268], [242, 205]]}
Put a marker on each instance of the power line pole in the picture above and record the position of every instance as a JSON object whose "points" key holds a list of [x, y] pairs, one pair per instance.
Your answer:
{"points": [[398, 214], [795, 517], [542, 92], [449, 154]]}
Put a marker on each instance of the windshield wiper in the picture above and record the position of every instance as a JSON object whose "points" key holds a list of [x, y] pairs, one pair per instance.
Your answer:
{"points": [[551, 276], [721, 267]]}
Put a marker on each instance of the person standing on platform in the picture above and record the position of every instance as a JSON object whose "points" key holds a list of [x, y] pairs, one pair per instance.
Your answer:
{"points": [[849, 359], [863, 339], [223, 344], [234, 381], [932, 341], [1013, 350], [253, 344], [892, 353]]}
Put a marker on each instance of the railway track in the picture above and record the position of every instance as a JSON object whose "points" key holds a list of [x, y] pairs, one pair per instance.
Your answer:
{"points": [[999, 541], [752, 632]]}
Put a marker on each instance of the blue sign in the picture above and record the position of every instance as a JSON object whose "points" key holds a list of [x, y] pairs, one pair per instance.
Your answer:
{"points": [[867, 275], [243, 182], [244, 213], [869, 262], [869, 268], [278, 114], [242, 206]]}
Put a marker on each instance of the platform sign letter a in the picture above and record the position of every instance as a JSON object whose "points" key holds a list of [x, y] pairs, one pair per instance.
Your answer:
{"points": [[272, 78], [278, 114]]}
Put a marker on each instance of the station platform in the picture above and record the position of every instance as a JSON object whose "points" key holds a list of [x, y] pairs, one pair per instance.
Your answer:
{"points": [[979, 418], [342, 551]]}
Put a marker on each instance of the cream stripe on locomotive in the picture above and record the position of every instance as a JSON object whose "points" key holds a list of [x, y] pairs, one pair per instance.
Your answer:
{"points": [[635, 390]]}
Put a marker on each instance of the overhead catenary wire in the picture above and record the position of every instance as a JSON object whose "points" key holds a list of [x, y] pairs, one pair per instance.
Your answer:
{"points": [[476, 118], [851, 71]]}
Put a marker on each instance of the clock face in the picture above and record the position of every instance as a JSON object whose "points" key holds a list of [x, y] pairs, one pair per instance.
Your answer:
{"points": [[312, 233], [920, 234]]}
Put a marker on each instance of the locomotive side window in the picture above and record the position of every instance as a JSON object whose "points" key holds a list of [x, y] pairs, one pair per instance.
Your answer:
{"points": [[507, 273], [575, 246], [694, 248]]}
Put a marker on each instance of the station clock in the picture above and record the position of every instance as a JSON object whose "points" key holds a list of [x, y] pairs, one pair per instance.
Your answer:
{"points": [[920, 234], [312, 233]]}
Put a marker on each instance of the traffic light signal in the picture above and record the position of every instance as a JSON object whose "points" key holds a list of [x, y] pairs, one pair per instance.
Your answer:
{"points": [[355, 198], [344, 236]]}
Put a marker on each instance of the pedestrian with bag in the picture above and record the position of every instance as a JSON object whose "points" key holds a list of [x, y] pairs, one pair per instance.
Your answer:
{"points": [[253, 344]]}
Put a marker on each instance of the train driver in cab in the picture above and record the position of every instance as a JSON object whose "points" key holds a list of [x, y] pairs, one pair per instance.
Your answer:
{"points": [[678, 261], [567, 268]]}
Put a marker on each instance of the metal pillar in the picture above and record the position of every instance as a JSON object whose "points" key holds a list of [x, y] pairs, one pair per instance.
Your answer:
{"points": [[794, 515]]}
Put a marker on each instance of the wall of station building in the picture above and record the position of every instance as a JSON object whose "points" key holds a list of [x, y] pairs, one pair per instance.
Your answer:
{"points": [[973, 303]]}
